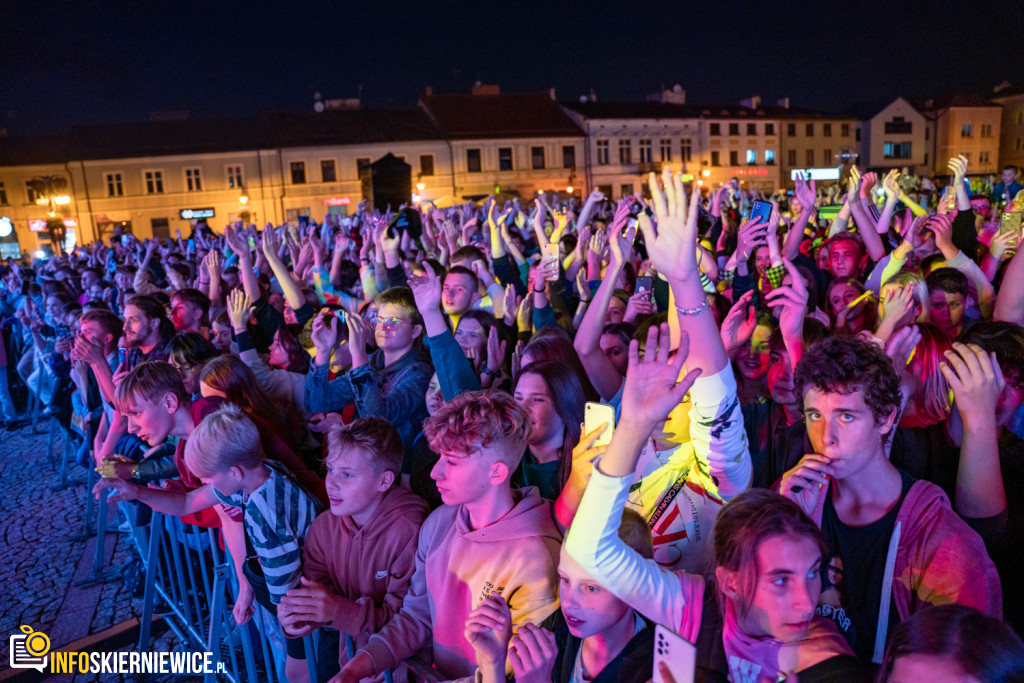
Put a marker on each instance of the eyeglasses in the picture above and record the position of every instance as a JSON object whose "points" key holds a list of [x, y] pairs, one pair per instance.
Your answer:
{"points": [[388, 323]]}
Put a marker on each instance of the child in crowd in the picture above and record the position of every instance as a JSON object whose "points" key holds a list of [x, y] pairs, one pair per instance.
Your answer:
{"points": [[359, 556], [487, 539]]}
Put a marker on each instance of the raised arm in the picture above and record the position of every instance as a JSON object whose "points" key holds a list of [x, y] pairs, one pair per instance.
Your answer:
{"points": [[271, 245]]}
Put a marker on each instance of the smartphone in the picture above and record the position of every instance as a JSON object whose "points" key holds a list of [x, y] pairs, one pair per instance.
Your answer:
{"points": [[645, 283], [1010, 222], [122, 356], [252, 242], [595, 415], [762, 210], [550, 253], [191, 246], [677, 653], [125, 241]]}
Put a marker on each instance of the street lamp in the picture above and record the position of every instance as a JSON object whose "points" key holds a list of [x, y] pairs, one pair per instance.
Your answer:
{"points": [[49, 191]]}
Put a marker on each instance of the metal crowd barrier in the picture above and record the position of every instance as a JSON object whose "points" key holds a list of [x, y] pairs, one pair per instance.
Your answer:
{"points": [[190, 582]]}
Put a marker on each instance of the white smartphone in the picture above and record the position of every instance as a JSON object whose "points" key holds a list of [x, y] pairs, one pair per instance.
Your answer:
{"points": [[678, 654], [595, 415]]}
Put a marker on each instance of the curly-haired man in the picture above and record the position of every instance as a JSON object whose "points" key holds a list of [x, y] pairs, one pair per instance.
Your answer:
{"points": [[902, 546]]}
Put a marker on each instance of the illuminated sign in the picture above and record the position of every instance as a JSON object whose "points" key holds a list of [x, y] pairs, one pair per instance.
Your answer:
{"points": [[687, 177], [749, 171], [192, 214], [6, 227], [337, 201], [816, 173], [39, 224]]}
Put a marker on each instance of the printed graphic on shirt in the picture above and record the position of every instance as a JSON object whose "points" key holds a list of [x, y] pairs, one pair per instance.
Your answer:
{"points": [[487, 591], [743, 671], [382, 574], [830, 604]]}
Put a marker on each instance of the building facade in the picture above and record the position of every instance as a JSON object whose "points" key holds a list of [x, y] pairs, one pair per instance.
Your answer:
{"points": [[964, 124], [813, 139], [1011, 128], [896, 136]]}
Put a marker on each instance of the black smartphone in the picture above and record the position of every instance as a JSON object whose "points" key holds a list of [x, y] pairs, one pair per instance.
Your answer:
{"points": [[645, 283], [762, 210]]}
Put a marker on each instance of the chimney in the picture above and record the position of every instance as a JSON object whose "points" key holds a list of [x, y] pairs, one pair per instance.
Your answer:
{"points": [[429, 90], [674, 96], [784, 103], [753, 102], [551, 94], [481, 89], [592, 95]]}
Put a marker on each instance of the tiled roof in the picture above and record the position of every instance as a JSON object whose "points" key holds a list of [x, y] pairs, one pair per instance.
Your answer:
{"points": [[33, 150]]}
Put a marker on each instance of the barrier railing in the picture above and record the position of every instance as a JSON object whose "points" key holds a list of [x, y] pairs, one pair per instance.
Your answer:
{"points": [[190, 582]]}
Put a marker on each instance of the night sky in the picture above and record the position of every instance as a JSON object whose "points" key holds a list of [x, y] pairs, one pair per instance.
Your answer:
{"points": [[96, 62]]}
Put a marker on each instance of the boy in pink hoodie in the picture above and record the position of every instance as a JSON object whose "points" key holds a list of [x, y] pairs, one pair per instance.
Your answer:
{"points": [[359, 557], [487, 539]]}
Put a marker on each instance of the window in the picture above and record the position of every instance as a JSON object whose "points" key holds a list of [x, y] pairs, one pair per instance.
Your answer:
{"points": [[966, 155], [927, 133], [606, 190], [153, 181], [666, 149], [298, 172], [734, 129], [926, 158], [716, 129], [734, 157], [645, 151], [1020, 116], [769, 157], [810, 158], [686, 149], [426, 164], [986, 130], [602, 155], [826, 129], [769, 129], [328, 171], [235, 177], [810, 130], [791, 157], [115, 185], [568, 156], [537, 157], [627, 190], [827, 157], [361, 163], [715, 161], [751, 157], [751, 129], [3, 195], [1017, 146], [791, 130], [844, 130], [896, 150], [983, 157], [899, 126], [505, 159], [193, 180], [473, 160], [625, 151], [857, 135], [966, 130]]}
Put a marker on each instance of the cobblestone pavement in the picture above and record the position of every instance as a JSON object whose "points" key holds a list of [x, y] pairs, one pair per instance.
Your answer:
{"points": [[42, 554]]}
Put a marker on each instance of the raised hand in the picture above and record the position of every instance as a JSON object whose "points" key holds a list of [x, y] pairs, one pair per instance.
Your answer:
{"points": [[236, 241], [891, 185], [976, 380], [752, 234], [585, 454], [512, 302], [738, 326], [426, 289], [793, 300], [958, 167], [670, 243], [867, 184], [270, 243], [239, 309], [495, 351], [653, 387], [324, 336]]}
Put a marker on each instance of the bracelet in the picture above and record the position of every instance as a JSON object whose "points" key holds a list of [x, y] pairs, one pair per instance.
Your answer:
{"points": [[695, 311], [484, 370], [584, 301]]}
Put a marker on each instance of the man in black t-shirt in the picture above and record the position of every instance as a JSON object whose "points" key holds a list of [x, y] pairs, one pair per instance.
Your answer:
{"points": [[900, 543]]}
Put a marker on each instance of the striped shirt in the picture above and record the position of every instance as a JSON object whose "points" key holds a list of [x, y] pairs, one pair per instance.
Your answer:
{"points": [[277, 517]]}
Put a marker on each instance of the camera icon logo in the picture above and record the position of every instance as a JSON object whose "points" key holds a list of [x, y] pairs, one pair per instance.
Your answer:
{"points": [[29, 649]]}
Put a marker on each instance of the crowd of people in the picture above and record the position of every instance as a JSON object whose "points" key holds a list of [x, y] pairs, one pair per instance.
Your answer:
{"points": [[402, 425]]}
